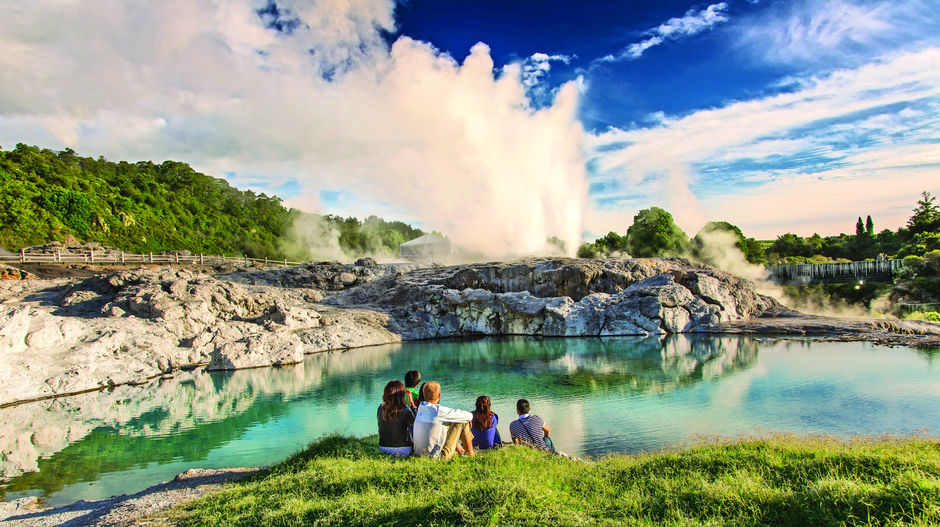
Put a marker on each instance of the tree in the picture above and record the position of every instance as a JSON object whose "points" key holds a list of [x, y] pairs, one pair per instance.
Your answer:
{"points": [[755, 251], [859, 227], [654, 233], [926, 215], [869, 226], [790, 244], [702, 238], [587, 250], [611, 243]]}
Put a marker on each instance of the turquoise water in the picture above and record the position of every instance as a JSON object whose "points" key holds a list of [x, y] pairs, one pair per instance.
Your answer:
{"points": [[598, 396]]}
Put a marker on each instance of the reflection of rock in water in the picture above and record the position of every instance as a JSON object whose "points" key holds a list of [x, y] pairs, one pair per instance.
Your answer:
{"points": [[35, 431], [653, 364]]}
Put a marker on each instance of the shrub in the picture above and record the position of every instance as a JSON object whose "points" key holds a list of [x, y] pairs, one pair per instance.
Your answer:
{"points": [[932, 259], [914, 263], [928, 316]]}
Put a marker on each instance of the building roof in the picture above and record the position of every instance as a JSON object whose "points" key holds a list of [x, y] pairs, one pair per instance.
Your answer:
{"points": [[427, 239]]}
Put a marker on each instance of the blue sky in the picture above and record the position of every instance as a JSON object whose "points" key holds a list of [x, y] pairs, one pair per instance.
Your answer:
{"points": [[502, 123]]}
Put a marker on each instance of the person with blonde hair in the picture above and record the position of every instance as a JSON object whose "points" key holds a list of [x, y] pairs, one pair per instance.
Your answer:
{"points": [[438, 430]]}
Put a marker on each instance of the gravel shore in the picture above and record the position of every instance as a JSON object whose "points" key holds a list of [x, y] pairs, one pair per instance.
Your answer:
{"points": [[122, 510]]}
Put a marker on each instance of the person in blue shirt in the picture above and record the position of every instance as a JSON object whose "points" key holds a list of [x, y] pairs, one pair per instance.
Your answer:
{"points": [[483, 425]]}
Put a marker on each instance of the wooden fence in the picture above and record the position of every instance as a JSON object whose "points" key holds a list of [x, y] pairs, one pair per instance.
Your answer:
{"points": [[121, 257], [872, 270]]}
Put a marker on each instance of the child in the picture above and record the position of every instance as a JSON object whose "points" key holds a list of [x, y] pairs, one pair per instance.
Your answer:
{"points": [[412, 380]]}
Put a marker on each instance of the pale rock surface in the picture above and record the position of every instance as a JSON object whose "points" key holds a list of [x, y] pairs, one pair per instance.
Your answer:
{"points": [[60, 337], [559, 297]]}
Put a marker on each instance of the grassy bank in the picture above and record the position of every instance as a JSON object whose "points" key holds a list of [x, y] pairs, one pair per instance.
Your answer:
{"points": [[777, 481]]}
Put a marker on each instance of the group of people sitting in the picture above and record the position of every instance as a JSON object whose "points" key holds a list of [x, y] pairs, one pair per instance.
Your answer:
{"points": [[413, 421]]}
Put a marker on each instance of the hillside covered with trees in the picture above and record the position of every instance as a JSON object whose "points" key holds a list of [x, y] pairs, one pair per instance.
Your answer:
{"points": [[141, 207], [654, 233]]}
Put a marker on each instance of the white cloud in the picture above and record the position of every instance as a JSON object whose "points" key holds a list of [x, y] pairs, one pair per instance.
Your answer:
{"points": [[858, 128], [693, 23], [536, 67], [329, 104], [823, 31]]}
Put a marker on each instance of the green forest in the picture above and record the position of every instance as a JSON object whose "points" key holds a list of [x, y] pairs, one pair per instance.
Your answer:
{"points": [[654, 233], [141, 207]]}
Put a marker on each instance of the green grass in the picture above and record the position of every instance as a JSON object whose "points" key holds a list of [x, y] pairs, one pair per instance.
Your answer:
{"points": [[775, 481]]}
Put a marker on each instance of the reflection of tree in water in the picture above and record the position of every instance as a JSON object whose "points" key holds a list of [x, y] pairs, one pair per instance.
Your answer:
{"points": [[187, 418]]}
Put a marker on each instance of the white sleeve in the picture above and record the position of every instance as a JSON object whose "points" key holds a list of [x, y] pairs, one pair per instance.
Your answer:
{"points": [[453, 415]]}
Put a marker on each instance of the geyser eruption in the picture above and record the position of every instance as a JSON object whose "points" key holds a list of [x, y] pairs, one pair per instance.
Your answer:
{"points": [[461, 149]]}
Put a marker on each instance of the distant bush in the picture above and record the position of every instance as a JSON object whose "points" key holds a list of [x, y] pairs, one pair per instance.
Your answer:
{"points": [[914, 263], [932, 259], [928, 316]]}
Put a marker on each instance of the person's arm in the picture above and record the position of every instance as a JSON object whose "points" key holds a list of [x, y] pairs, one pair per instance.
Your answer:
{"points": [[547, 430], [453, 415], [515, 440]]}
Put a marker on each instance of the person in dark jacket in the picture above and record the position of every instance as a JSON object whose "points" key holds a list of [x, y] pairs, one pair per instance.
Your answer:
{"points": [[395, 420]]}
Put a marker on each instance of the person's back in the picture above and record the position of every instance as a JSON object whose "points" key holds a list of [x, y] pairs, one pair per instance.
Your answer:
{"points": [[528, 429], [395, 419], [437, 428], [483, 425]]}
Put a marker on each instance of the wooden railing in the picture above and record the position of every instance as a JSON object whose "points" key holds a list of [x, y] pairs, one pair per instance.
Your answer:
{"points": [[872, 270], [121, 257]]}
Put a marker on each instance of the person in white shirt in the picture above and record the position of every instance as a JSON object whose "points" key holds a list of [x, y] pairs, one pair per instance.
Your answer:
{"points": [[438, 429]]}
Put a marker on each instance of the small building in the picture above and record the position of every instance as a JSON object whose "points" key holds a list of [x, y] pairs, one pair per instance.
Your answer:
{"points": [[429, 247]]}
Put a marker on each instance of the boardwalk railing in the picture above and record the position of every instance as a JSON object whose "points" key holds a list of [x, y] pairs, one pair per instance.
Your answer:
{"points": [[906, 308], [121, 257], [874, 270]]}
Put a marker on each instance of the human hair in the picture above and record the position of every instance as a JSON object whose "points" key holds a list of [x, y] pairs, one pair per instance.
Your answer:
{"points": [[421, 394], [412, 378], [430, 391], [482, 416], [393, 399], [522, 406]]}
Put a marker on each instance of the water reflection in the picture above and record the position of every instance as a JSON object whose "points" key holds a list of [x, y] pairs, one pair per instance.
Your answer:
{"points": [[599, 395]]}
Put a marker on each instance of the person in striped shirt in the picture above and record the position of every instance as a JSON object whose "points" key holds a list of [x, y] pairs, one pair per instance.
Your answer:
{"points": [[528, 429]]}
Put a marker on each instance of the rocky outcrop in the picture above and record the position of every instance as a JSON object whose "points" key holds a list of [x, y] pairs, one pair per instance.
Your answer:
{"points": [[130, 326], [560, 297], [323, 276], [12, 273]]}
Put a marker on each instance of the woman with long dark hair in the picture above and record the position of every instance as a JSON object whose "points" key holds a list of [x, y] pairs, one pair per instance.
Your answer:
{"points": [[395, 420], [483, 425]]}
